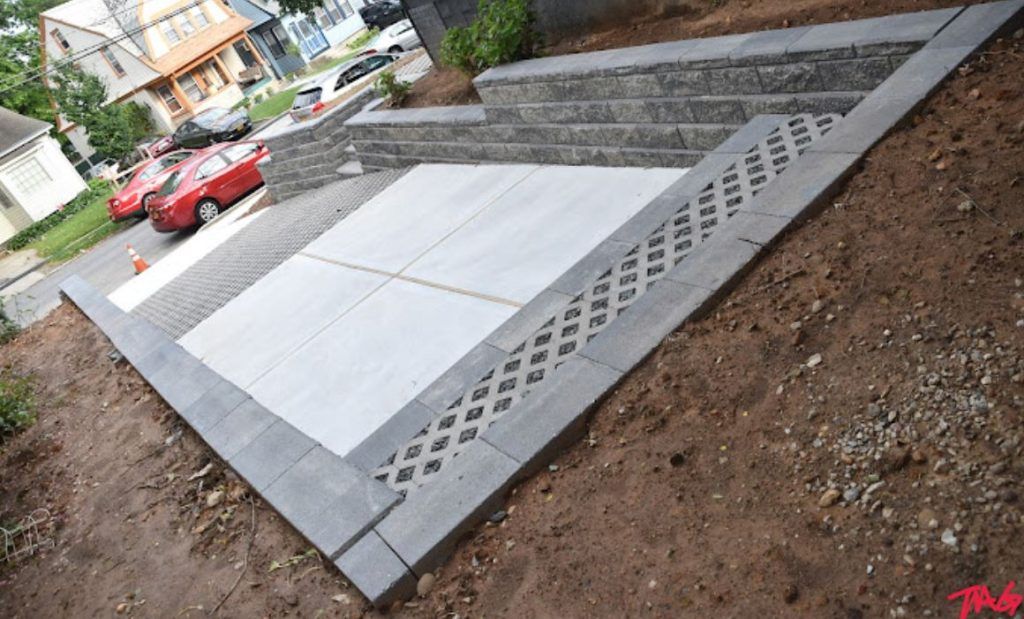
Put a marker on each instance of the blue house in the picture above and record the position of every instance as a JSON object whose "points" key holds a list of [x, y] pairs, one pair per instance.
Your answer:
{"points": [[270, 36]]}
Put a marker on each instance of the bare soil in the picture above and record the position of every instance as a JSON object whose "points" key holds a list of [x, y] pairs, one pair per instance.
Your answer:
{"points": [[698, 490], [695, 19]]}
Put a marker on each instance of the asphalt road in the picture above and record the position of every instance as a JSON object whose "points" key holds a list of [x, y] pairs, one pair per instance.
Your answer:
{"points": [[106, 266]]}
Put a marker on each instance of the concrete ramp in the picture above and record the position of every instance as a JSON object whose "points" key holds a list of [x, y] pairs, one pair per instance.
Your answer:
{"points": [[342, 335]]}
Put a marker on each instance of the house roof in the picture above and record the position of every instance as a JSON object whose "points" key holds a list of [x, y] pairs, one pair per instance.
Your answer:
{"points": [[16, 130], [97, 16], [257, 14]]}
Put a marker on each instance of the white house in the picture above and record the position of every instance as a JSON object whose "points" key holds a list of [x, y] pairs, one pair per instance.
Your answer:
{"points": [[333, 23], [35, 177], [176, 57]]}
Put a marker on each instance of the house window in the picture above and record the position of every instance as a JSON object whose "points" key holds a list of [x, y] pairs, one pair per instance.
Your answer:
{"points": [[213, 74], [28, 175], [61, 41], [185, 26], [322, 18], [274, 43], [344, 6], [191, 87], [112, 61], [199, 18], [170, 100], [170, 33]]}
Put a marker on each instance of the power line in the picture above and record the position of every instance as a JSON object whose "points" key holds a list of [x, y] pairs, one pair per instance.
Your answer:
{"points": [[94, 49]]}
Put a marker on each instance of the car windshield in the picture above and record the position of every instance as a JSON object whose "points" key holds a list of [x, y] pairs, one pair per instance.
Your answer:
{"points": [[307, 98], [210, 117], [171, 184]]}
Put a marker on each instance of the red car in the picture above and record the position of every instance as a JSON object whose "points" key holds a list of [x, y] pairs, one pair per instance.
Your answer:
{"points": [[132, 200], [197, 192]]}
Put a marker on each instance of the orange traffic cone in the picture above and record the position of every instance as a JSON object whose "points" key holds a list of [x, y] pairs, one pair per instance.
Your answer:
{"points": [[137, 261]]}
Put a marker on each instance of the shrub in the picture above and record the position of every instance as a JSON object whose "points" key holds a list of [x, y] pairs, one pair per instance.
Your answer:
{"points": [[392, 88], [364, 38], [502, 32], [96, 189], [8, 328], [17, 404], [257, 98]]}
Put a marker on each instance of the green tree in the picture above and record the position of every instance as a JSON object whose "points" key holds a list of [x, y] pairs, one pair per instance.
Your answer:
{"points": [[19, 56], [81, 98], [299, 6]]}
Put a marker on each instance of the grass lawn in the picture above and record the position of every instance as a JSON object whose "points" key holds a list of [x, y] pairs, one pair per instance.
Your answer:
{"points": [[80, 231], [273, 105]]}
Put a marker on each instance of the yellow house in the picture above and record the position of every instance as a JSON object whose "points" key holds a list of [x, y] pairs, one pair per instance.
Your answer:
{"points": [[176, 57]]}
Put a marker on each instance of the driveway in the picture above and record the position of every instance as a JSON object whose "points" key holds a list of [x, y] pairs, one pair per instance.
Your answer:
{"points": [[106, 266]]}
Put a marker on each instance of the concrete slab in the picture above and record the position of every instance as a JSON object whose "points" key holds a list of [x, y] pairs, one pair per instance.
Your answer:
{"points": [[343, 384], [423, 207], [528, 237], [248, 336]]}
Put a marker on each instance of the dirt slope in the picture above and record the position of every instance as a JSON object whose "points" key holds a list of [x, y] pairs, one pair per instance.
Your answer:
{"points": [[697, 493]]}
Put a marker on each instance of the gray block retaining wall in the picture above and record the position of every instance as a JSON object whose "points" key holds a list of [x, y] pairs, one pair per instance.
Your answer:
{"points": [[666, 104]]}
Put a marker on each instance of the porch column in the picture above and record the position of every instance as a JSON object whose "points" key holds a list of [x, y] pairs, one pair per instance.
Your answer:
{"points": [[220, 63], [180, 94]]}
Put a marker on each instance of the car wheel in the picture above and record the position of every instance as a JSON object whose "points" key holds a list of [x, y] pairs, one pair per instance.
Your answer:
{"points": [[206, 211], [146, 199], [395, 49]]}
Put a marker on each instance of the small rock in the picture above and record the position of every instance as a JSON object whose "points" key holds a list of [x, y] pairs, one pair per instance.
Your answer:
{"points": [[948, 537], [919, 456], [926, 519], [814, 360], [790, 594], [498, 516], [425, 584], [122, 608], [851, 494], [677, 459], [829, 498], [817, 306], [342, 598], [215, 498]]}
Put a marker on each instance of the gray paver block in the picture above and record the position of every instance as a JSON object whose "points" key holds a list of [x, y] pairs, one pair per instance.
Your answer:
{"points": [[135, 337], [391, 435], [329, 501], [642, 85], [733, 81], [680, 83], [856, 74], [979, 23], [97, 307], [377, 571], [715, 266], [530, 317], [712, 52], [793, 77], [907, 27], [425, 528], [717, 110], [239, 428], [639, 330], [766, 47], [554, 415], [270, 454], [582, 274], [213, 406], [181, 383], [467, 370], [796, 192], [754, 227], [670, 110]]}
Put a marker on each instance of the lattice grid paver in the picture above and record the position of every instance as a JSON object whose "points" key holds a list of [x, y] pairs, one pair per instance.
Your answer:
{"points": [[416, 462], [259, 248]]}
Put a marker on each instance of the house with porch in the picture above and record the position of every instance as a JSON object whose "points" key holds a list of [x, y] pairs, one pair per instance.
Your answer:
{"points": [[270, 36], [36, 178], [332, 23], [175, 57]]}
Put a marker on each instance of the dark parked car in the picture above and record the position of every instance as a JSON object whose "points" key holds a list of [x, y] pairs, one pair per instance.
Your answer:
{"points": [[382, 14], [217, 124]]}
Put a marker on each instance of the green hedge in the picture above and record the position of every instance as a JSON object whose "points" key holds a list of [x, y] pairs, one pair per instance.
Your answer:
{"points": [[501, 33], [97, 187]]}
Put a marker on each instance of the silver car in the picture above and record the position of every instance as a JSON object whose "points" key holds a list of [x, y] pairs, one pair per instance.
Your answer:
{"points": [[316, 96]]}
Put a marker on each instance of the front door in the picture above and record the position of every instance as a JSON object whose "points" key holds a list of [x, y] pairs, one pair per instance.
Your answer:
{"points": [[245, 54], [310, 39]]}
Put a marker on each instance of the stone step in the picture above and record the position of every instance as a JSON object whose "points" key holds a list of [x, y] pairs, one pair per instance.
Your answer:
{"points": [[309, 147], [326, 154], [350, 168], [622, 135], [273, 176], [410, 153], [692, 109], [292, 188], [844, 75]]}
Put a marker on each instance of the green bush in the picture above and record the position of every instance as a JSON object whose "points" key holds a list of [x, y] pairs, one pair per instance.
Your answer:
{"points": [[257, 98], [97, 187], [8, 328], [392, 88], [361, 40], [17, 404], [501, 33]]}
